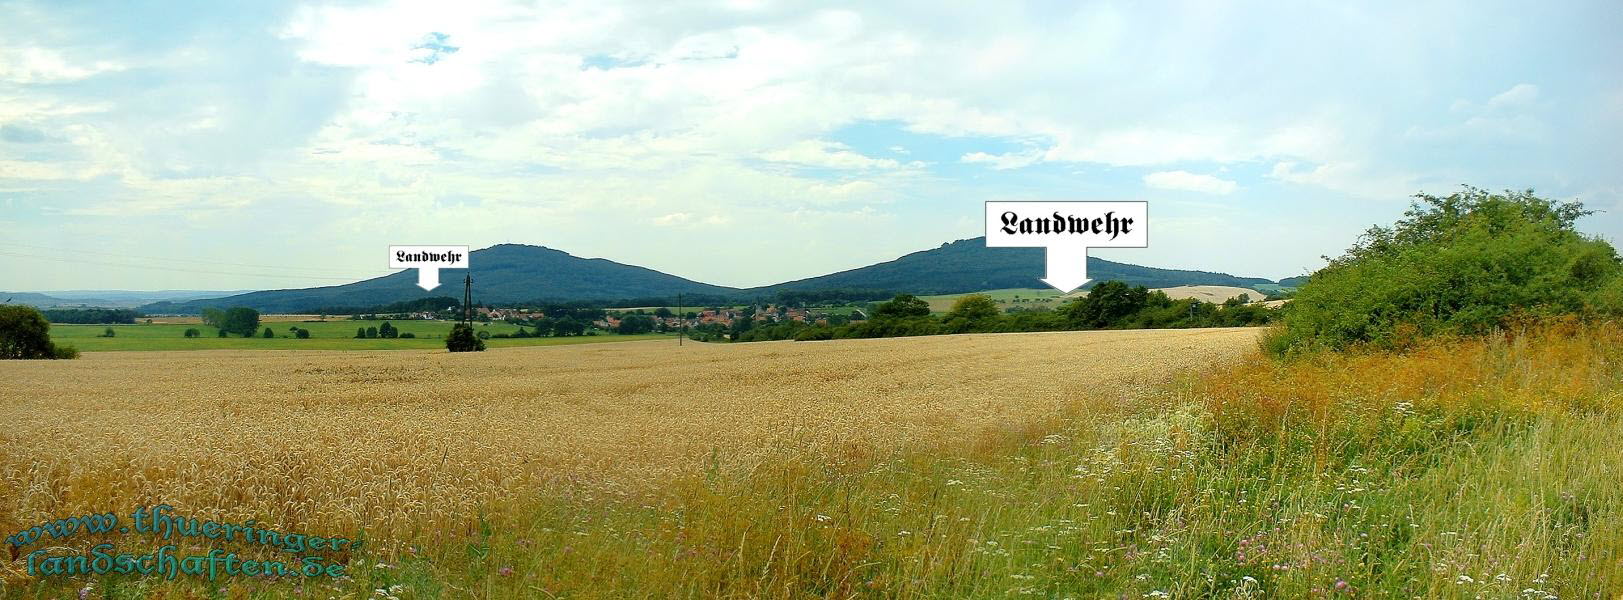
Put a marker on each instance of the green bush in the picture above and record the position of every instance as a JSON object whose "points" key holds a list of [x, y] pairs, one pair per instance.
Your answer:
{"points": [[24, 333], [462, 339], [1461, 264]]}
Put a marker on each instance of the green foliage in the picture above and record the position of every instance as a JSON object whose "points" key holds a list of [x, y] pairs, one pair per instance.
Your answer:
{"points": [[25, 334], [301, 333], [90, 316], [193, 332], [1107, 303], [213, 317], [971, 312], [371, 332], [360, 333], [268, 334], [462, 339], [221, 333], [1461, 264], [634, 324], [109, 332], [388, 331], [901, 307], [240, 320]]}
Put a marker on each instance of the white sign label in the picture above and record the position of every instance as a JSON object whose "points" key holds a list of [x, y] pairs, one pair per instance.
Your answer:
{"points": [[428, 260], [1067, 230]]}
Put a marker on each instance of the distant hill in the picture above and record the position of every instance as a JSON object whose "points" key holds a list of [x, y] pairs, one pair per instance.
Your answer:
{"points": [[501, 274], [511, 273], [30, 298], [968, 266], [1293, 282]]}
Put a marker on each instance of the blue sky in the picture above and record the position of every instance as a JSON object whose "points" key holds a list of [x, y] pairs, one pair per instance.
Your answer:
{"points": [[208, 146]]}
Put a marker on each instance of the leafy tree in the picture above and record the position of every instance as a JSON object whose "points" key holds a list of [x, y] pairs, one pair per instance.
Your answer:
{"points": [[268, 333], [387, 331], [1460, 264], [462, 339], [193, 332], [1108, 303], [302, 333], [220, 333], [634, 324], [25, 334], [89, 316], [240, 320], [568, 326], [973, 308], [360, 333], [371, 333], [663, 313], [108, 332], [902, 306]]}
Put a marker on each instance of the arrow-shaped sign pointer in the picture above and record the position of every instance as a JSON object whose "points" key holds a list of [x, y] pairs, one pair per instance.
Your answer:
{"points": [[1067, 267], [428, 260], [428, 278], [1067, 230]]}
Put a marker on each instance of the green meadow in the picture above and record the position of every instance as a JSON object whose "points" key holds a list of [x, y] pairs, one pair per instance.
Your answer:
{"points": [[324, 335]]}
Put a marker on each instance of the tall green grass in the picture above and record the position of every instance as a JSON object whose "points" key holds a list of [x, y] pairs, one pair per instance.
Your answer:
{"points": [[1471, 468], [1484, 467]]}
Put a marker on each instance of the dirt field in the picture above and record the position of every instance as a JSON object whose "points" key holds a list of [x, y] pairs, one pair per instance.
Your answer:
{"points": [[384, 439]]}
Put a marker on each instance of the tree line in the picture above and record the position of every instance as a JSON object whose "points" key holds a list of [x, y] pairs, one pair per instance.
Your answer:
{"points": [[91, 316], [1109, 305]]}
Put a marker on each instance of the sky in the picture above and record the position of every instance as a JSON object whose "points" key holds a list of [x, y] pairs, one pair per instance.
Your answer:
{"points": [[224, 145]]}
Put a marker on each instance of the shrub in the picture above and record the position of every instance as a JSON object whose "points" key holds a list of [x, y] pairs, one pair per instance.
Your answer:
{"points": [[268, 334], [302, 333], [25, 334], [108, 332], [462, 339], [407, 335], [1455, 265], [901, 307], [193, 332]]}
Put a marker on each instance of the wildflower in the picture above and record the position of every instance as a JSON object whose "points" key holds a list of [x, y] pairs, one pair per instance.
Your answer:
{"points": [[1464, 579], [505, 571]]}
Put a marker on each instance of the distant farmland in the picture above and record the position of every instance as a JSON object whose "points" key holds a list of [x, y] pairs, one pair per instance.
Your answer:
{"points": [[324, 335], [1051, 298]]}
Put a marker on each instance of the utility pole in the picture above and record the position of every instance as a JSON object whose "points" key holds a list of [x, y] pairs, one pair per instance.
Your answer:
{"points": [[681, 320], [467, 300]]}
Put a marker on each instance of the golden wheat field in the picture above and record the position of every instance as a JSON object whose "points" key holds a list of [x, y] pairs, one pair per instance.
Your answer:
{"points": [[400, 443]]}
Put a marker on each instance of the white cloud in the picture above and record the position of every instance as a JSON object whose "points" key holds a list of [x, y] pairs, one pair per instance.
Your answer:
{"points": [[587, 111], [1190, 182], [819, 153], [1520, 95], [1012, 160], [32, 65]]}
